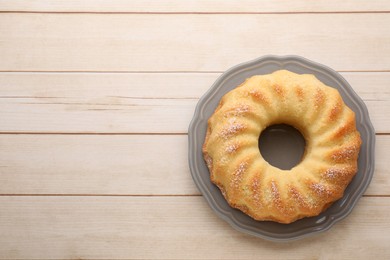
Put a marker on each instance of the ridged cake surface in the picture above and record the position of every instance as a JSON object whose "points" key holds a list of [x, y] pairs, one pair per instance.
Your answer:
{"points": [[250, 183]]}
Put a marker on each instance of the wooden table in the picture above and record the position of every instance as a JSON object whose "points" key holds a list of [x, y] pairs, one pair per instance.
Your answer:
{"points": [[95, 102]]}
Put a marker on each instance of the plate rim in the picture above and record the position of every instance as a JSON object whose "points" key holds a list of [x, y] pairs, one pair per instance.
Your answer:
{"points": [[280, 61]]}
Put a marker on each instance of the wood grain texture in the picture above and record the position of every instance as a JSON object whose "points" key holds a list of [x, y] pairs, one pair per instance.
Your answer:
{"points": [[170, 228], [95, 164], [121, 42], [369, 85], [113, 115], [133, 102], [117, 165], [198, 6]]}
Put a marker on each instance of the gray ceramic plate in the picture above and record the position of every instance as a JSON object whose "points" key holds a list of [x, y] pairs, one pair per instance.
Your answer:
{"points": [[270, 230]]}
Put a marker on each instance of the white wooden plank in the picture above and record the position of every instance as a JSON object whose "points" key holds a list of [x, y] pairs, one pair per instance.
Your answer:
{"points": [[112, 115], [118, 115], [116, 165], [141, 42], [118, 85], [203, 6], [97, 164], [132, 103], [369, 85], [170, 227]]}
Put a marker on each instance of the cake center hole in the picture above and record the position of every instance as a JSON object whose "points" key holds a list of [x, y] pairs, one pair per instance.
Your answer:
{"points": [[282, 146]]}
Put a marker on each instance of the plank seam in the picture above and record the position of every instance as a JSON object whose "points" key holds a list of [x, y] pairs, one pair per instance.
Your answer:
{"points": [[84, 133], [97, 195], [87, 133], [131, 195], [156, 72], [198, 13]]}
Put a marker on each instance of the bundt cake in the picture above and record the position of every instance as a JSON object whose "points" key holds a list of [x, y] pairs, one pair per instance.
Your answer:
{"points": [[250, 183]]}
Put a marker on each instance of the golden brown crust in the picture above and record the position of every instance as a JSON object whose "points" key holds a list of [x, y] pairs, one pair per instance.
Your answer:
{"points": [[265, 192]]}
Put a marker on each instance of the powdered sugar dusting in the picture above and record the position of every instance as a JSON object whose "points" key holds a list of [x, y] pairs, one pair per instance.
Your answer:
{"points": [[318, 98], [298, 198], [238, 111], [241, 169], [232, 148], [238, 173], [320, 190], [299, 93], [241, 109], [223, 160], [335, 111], [347, 153], [276, 196], [257, 95], [232, 128], [336, 173], [332, 173], [274, 189], [209, 161], [279, 90], [255, 192]]}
